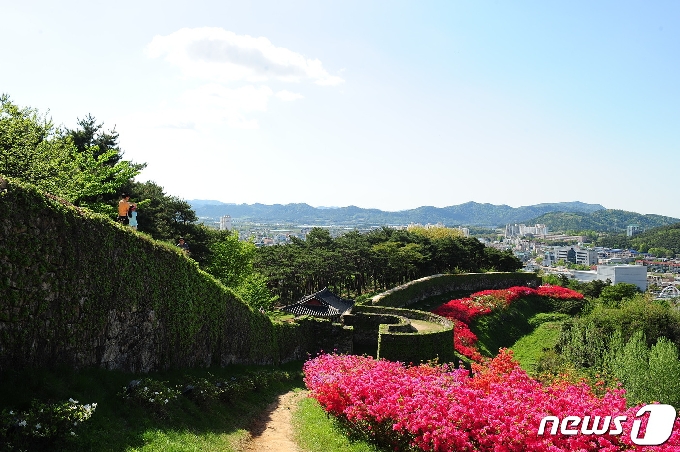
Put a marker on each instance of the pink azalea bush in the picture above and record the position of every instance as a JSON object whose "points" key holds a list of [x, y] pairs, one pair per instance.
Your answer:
{"points": [[463, 310], [437, 408]]}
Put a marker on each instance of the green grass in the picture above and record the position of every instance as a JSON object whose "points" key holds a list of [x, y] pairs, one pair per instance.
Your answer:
{"points": [[317, 432], [120, 425], [502, 328], [529, 349]]}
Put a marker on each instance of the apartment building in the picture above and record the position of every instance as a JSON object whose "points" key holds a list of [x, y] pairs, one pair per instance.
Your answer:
{"points": [[521, 230], [225, 223], [572, 254]]}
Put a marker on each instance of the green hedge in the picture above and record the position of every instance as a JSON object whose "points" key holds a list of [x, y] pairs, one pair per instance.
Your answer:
{"points": [[309, 335], [430, 286], [397, 344], [79, 289]]}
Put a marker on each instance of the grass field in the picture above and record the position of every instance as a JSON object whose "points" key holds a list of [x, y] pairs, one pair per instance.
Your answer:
{"points": [[315, 431], [120, 425], [529, 349]]}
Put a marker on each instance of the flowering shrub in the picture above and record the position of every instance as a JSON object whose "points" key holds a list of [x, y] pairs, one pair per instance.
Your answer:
{"points": [[464, 310], [464, 341], [157, 395], [432, 408], [152, 394], [560, 293], [43, 423], [202, 391]]}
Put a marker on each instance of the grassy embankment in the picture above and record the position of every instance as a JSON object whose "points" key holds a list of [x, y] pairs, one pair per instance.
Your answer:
{"points": [[524, 327]]}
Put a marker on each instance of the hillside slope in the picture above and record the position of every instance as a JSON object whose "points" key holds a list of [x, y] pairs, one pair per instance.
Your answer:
{"points": [[79, 289]]}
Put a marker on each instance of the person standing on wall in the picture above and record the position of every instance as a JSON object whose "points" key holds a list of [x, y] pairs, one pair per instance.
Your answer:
{"points": [[132, 213], [123, 209], [184, 246]]}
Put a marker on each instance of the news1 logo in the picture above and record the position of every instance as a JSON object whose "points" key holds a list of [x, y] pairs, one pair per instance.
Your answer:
{"points": [[659, 425]]}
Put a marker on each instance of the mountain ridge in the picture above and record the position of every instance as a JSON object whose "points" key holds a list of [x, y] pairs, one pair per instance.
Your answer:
{"points": [[468, 214]]}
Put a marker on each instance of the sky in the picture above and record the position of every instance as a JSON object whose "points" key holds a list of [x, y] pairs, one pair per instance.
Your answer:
{"points": [[377, 104]]}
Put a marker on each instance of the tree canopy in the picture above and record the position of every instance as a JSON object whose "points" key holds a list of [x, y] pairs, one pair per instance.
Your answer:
{"points": [[34, 150], [355, 263]]}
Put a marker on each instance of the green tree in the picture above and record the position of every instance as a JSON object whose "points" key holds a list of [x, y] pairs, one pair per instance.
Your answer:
{"points": [[319, 238], [502, 261], [613, 294], [90, 135], [660, 252], [647, 374], [254, 291], [230, 260], [33, 150], [663, 375], [593, 289], [631, 367], [356, 255]]}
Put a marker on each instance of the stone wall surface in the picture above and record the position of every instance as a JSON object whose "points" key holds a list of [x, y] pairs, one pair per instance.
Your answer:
{"points": [[80, 290]]}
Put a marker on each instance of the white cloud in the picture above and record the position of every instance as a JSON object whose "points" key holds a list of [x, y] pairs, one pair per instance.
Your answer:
{"points": [[219, 55], [206, 106], [286, 95]]}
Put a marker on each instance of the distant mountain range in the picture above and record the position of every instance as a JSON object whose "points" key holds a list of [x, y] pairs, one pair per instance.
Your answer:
{"points": [[468, 214]]}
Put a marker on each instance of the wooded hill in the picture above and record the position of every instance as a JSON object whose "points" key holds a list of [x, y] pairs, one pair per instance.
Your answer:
{"points": [[605, 220], [468, 214], [662, 241]]}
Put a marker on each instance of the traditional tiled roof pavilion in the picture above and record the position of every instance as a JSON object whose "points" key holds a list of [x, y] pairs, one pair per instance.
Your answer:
{"points": [[323, 304]]}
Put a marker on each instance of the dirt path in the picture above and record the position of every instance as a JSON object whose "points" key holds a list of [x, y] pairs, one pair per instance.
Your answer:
{"points": [[272, 430]]}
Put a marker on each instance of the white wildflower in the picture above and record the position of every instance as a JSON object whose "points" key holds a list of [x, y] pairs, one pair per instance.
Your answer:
{"points": [[22, 423]]}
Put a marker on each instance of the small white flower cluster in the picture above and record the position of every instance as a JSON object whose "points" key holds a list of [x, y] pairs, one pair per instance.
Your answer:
{"points": [[49, 420], [150, 392]]}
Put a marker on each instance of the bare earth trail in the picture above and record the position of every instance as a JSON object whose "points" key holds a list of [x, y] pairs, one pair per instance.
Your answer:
{"points": [[272, 430]]}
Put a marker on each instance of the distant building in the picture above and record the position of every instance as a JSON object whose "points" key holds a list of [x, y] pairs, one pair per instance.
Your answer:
{"points": [[514, 230], [225, 223], [631, 274], [575, 255], [633, 229]]}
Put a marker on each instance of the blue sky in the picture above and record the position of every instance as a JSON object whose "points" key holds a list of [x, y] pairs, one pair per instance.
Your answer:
{"points": [[385, 104]]}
